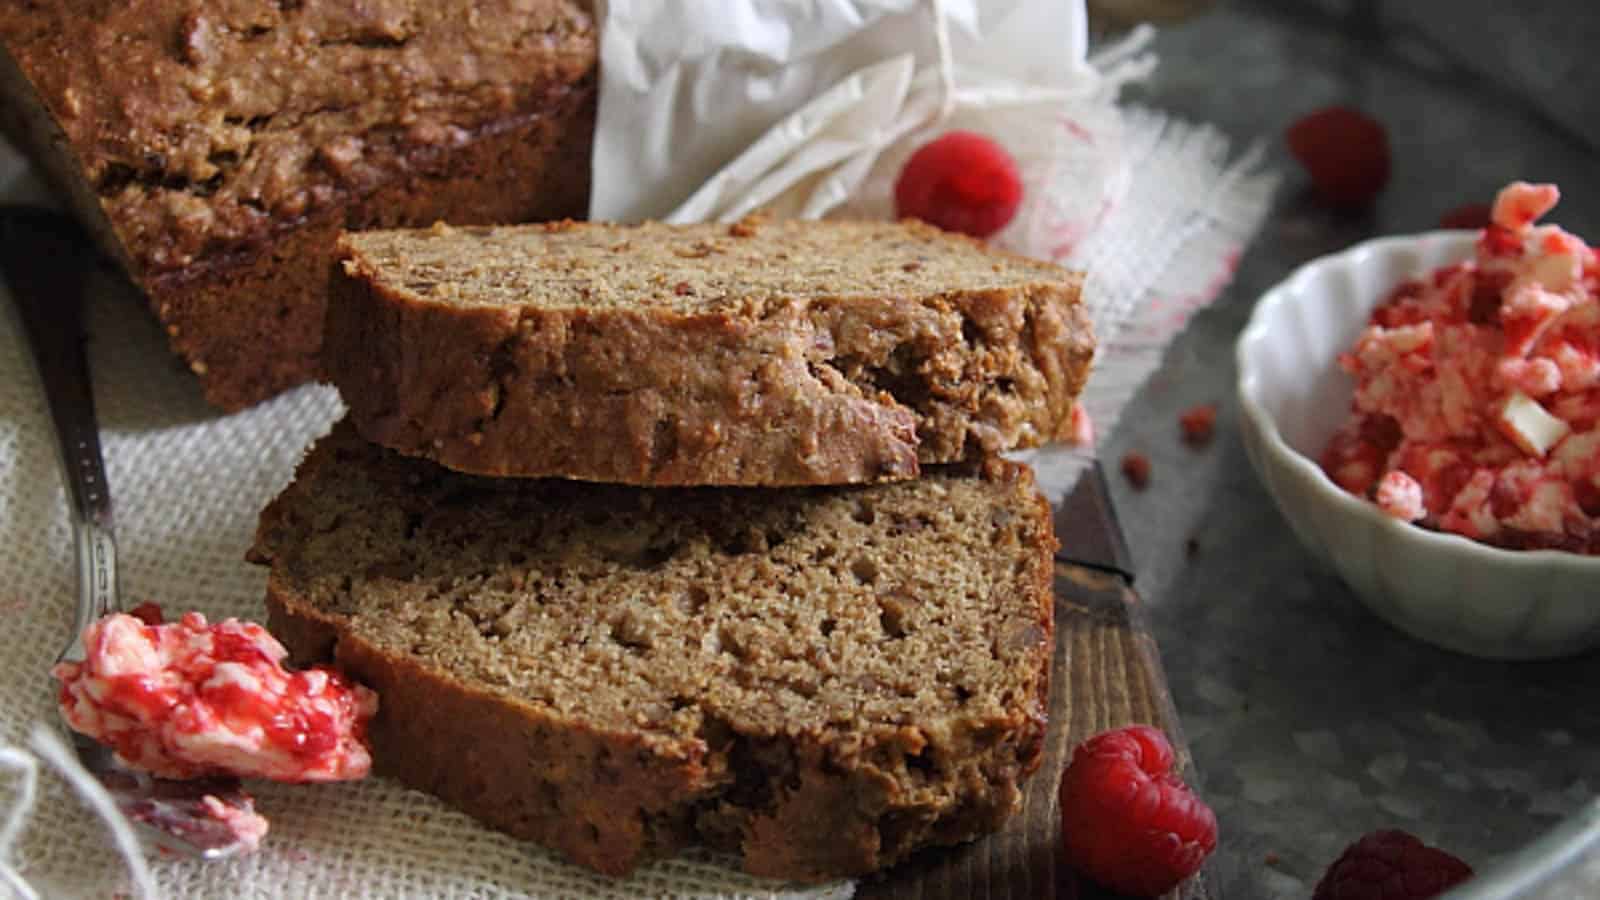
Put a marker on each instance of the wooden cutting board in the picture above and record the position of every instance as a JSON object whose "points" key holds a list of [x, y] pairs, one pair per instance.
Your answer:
{"points": [[1106, 673]]}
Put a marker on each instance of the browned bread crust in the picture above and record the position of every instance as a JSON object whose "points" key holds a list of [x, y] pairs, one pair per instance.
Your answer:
{"points": [[822, 680], [217, 149], [772, 353]]}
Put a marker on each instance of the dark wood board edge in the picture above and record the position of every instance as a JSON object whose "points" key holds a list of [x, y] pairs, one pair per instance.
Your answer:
{"points": [[1106, 672]]}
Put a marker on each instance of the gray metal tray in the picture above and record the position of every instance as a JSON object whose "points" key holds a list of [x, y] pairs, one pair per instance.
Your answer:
{"points": [[1312, 721]]}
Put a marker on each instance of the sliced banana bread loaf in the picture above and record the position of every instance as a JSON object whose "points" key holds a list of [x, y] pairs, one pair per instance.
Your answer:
{"points": [[775, 353], [218, 148], [822, 680]]}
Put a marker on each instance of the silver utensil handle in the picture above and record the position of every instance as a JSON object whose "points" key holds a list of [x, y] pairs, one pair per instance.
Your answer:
{"points": [[49, 300], [92, 536]]}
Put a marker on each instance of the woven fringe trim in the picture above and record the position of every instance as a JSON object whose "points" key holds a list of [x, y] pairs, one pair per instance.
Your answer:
{"points": [[1147, 289]]}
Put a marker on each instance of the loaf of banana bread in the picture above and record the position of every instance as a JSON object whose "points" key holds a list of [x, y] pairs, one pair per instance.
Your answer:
{"points": [[762, 353], [822, 680], [217, 149]]}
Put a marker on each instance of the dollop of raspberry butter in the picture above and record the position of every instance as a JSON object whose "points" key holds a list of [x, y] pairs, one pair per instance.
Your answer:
{"points": [[190, 699]]}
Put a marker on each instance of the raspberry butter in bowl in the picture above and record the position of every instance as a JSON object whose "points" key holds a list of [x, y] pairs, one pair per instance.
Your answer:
{"points": [[1425, 412]]}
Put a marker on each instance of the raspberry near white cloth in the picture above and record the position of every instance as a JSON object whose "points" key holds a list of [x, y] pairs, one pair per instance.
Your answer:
{"points": [[188, 483]]}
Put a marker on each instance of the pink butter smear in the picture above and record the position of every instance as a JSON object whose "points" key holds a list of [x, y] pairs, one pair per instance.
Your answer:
{"points": [[1478, 390], [190, 699]]}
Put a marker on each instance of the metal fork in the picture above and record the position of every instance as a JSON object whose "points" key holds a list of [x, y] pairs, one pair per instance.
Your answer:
{"points": [[46, 261]]}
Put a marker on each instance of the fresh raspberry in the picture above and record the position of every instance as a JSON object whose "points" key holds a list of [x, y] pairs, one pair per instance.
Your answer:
{"points": [[1136, 468], [961, 181], [1127, 820], [1199, 424], [1390, 865], [1345, 152], [1472, 216]]}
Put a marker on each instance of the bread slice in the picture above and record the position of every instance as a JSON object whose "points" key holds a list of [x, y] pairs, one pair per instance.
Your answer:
{"points": [[763, 353], [822, 680]]}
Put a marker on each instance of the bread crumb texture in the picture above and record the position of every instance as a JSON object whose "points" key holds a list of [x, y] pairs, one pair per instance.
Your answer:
{"points": [[820, 679]]}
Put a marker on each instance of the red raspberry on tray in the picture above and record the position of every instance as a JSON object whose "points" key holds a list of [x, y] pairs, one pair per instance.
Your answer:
{"points": [[1127, 820], [1391, 865], [961, 181], [1346, 153]]}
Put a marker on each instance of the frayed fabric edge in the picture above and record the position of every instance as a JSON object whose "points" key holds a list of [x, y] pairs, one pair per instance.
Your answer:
{"points": [[47, 745], [26, 769], [1152, 298]]}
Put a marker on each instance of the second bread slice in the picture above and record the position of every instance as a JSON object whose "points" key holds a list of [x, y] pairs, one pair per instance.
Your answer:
{"points": [[821, 680], [775, 353]]}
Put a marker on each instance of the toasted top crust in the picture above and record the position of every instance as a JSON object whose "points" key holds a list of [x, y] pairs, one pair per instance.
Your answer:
{"points": [[202, 127], [747, 269]]}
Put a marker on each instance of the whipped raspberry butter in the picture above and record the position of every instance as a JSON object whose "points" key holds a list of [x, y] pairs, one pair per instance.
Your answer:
{"points": [[189, 699], [1478, 390]]}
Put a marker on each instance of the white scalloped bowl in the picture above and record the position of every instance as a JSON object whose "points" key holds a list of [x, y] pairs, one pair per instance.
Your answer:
{"points": [[1441, 588]]}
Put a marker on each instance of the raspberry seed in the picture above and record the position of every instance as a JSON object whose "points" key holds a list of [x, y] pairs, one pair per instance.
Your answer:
{"points": [[1198, 424], [1136, 468]]}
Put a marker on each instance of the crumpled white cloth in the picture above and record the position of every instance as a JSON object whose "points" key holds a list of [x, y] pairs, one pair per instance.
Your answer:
{"points": [[1157, 224]]}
